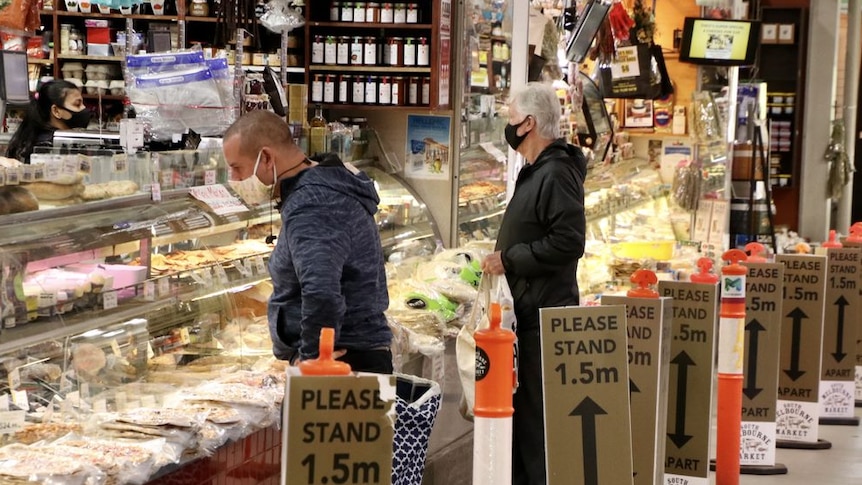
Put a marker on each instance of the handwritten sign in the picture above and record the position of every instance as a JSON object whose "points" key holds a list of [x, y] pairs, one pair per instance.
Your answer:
{"points": [[217, 198]]}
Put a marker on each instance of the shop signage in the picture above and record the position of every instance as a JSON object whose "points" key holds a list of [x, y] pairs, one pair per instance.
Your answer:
{"points": [[690, 389], [588, 438], [797, 409], [218, 199], [648, 327], [763, 300], [838, 364], [338, 429], [857, 323]]}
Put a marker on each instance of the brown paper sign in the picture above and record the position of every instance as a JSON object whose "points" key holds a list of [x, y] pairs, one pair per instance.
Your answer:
{"points": [[586, 394]]}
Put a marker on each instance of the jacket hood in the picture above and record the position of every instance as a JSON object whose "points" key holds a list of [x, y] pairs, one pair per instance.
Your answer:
{"points": [[334, 175], [558, 149]]}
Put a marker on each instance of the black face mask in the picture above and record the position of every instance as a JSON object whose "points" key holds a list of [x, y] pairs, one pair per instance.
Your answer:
{"points": [[79, 119], [512, 138]]}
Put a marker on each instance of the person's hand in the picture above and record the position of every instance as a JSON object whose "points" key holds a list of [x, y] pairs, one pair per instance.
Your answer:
{"points": [[493, 263]]}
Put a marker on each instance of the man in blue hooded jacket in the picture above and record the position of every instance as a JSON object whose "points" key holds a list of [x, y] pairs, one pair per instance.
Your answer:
{"points": [[327, 267]]}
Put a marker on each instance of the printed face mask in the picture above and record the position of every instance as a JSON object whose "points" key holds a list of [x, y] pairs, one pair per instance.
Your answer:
{"points": [[79, 119], [252, 190], [512, 138]]}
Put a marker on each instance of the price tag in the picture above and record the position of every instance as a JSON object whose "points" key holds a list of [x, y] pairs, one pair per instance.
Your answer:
{"points": [[84, 163], [49, 413], [27, 173], [19, 399], [115, 347], [119, 163], [100, 406], [209, 177], [185, 338], [13, 176], [149, 290], [167, 178], [12, 421], [74, 398], [120, 401], [52, 171], [164, 286], [15, 378], [109, 298], [47, 300], [2, 176], [69, 167], [38, 172], [148, 401], [4, 402], [157, 192], [244, 267], [221, 275], [260, 266]]}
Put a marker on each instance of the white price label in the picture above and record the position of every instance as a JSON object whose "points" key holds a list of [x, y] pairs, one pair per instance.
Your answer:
{"points": [[109, 298], [74, 398], [12, 421], [209, 177], [39, 172], [13, 176], [148, 401], [221, 275], [52, 171], [185, 338], [115, 348], [100, 406], [157, 192], [49, 413], [260, 266], [70, 167], [15, 378], [27, 173], [150, 353], [47, 300], [84, 163], [19, 398], [243, 266], [164, 287], [119, 163], [149, 290], [4, 402]]}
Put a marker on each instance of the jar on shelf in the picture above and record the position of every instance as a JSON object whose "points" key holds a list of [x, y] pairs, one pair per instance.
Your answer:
{"points": [[334, 11], [387, 11], [399, 91], [413, 90], [393, 51], [371, 89], [317, 89], [423, 52], [342, 48], [384, 90], [399, 13], [330, 50], [357, 48], [347, 11], [329, 88], [317, 50], [199, 8], [412, 13], [370, 51], [426, 91], [343, 88], [359, 12], [372, 12], [358, 90], [409, 52]]}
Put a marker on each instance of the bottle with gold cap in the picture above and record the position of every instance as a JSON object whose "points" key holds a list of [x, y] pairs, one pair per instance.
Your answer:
{"points": [[317, 133]]}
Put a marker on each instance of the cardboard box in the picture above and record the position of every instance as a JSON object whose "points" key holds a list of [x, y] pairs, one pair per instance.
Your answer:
{"points": [[99, 35]]}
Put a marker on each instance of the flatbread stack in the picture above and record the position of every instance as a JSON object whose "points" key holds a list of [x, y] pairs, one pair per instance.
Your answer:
{"points": [[257, 406], [120, 463], [20, 464], [34, 432], [177, 426]]}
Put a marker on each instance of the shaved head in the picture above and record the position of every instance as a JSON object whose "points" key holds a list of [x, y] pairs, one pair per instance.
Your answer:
{"points": [[260, 128]]}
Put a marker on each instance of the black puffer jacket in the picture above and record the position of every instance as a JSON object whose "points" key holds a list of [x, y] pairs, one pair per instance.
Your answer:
{"points": [[542, 234]]}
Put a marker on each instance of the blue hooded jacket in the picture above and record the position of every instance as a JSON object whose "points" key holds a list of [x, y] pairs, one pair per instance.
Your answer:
{"points": [[327, 267]]}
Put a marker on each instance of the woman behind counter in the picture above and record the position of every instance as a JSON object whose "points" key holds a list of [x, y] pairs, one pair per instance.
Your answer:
{"points": [[58, 106]]}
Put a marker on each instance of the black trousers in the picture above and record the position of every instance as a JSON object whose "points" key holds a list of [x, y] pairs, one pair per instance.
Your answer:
{"points": [[528, 427], [377, 361]]}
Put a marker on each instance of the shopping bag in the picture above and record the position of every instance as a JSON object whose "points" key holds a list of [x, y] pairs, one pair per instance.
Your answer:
{"points": [[416, 406], [492, 288]]}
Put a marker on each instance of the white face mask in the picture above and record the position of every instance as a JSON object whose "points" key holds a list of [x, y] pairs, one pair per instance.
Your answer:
{"points": [[252, 190]]}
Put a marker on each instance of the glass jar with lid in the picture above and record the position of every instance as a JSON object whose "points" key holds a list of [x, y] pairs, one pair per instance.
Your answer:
{"points": [[359, 12], [343, 88], [399, 14], [329, 88], [423, 52], [372, 12], [347, 11], [330, 50], [426, 91], [370, 52], [387, 13], [358, 90], [334, 11], [409, 52], [317, 50], [393, 51], [413, 90], [357, 49], [384, 90], [342, 57], [371, 89], [399, 91], [412, 14], [317, 89]]}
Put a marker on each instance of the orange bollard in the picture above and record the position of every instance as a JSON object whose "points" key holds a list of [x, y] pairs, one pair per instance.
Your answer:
{"points": [[855, 233], [731, 355], [755, 249], [643, 278], [324, 364], [705, 275], [832, 242]]}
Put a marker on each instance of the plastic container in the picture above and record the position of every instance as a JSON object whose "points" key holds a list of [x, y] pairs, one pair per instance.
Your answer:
{"points": [[657, 250]]}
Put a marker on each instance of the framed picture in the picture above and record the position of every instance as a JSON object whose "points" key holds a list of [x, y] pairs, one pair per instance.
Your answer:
{"points": [[638, 113], [769, 33], [786, 33]]}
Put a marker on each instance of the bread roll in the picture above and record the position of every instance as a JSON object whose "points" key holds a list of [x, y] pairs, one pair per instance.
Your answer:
{"points": [[52, 191], [15, 199]]}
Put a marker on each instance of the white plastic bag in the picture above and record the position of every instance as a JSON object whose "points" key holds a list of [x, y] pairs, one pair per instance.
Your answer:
{"points": [[491, 289]]}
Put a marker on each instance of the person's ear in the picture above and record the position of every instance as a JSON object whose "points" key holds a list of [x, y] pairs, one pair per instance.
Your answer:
{"points": [[55, 112]]}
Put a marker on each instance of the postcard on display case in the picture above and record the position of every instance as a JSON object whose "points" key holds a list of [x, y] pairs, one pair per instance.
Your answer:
{"points": [[638, 113]]}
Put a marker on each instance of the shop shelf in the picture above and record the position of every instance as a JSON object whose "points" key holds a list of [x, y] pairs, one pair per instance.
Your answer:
{"points": [[78, 57], [369, 25], [370, 107], [363, 68], [44, 62], [290, 69], [97, 15]]}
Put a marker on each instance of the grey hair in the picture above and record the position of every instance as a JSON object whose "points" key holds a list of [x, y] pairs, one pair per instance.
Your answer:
{"points": [[540, 101]]}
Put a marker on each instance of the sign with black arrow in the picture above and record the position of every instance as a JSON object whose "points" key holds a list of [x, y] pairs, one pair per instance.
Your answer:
{"points": [[855, 349], [838, 367], [648, 325], [797, 410], [586, 389], [690, 390]]}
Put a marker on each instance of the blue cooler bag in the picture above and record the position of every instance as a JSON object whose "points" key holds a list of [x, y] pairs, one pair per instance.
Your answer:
{"points": [[416, 405]]}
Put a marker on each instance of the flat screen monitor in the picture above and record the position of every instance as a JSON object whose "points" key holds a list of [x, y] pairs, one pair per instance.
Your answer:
{"points": [[719, 42], [585, 31], [15, 86]]}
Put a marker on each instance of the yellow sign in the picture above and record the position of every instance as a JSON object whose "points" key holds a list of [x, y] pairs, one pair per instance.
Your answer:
{"points": [[714, 39]]}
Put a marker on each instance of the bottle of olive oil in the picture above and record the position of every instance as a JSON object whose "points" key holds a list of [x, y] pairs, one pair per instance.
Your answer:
{"points": [[317, 132]]}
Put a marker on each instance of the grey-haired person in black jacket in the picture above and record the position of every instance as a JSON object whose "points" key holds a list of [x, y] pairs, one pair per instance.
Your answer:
{"points": [[540, 241], [327, 267]]}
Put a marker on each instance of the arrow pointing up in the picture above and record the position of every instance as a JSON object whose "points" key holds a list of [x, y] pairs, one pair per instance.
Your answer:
{"points": [[588, 410], [682, 360], [793, 372], [633, 388], [839, 354], [751, 390]]}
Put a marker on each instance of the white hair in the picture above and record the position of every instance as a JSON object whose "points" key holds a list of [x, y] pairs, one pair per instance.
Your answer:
{"points": [[540, 101]]}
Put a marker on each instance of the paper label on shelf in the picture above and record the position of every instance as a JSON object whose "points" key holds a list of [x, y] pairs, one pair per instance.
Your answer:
{"points": [[119, 163], [27, 173], [11, 421], [167, 177], [15, 378], [4, 402], [243, 267], [84, 163], [218, 199], [109, 298], [12, 177], [221, 275], [149, 290], [209, 177], [19, 398], [39, 172], [47, 300], [70, 167], [115, 348], [157, 192], [100, 406], [260, 266], [148, 401], [164, 286]]}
